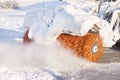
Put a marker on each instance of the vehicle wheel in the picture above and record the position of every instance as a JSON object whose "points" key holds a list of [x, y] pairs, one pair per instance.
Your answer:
{"points": [[92, 48]]}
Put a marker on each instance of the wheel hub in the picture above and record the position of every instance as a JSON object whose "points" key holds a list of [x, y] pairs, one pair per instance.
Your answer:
{"points": [[95, 49]]}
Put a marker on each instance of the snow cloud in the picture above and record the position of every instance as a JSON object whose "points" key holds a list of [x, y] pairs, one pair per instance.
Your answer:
{"points": [[38, 55]]}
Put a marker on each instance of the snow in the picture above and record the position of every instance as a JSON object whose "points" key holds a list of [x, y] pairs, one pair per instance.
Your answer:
{"points": [[48, 60], [50, 22]]}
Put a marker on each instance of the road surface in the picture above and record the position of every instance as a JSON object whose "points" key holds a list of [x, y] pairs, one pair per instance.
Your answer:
{"points": [[110, 55]]}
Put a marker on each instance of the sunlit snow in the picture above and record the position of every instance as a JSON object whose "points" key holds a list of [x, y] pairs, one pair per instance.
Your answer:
{"points": [[47, 59]]}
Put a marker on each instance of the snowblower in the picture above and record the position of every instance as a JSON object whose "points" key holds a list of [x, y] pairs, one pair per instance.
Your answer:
{"points": [[77, 31], [83, 39], [83, 33]]}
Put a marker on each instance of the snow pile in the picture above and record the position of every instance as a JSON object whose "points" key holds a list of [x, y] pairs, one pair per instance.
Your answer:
{"points": [[48, 23]]}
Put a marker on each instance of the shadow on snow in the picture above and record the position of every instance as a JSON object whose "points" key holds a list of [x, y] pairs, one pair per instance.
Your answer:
{"points": [[10, 36]]}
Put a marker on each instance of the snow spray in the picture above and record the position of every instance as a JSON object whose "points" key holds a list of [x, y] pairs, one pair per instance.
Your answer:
{"points": [[43, 55]]}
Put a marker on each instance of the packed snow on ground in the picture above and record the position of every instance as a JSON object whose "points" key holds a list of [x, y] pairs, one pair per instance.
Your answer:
{"points": [[46, 60]]}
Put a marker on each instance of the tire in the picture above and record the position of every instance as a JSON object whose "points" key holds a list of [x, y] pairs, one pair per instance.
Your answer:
{"points": [[93, 47]]}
